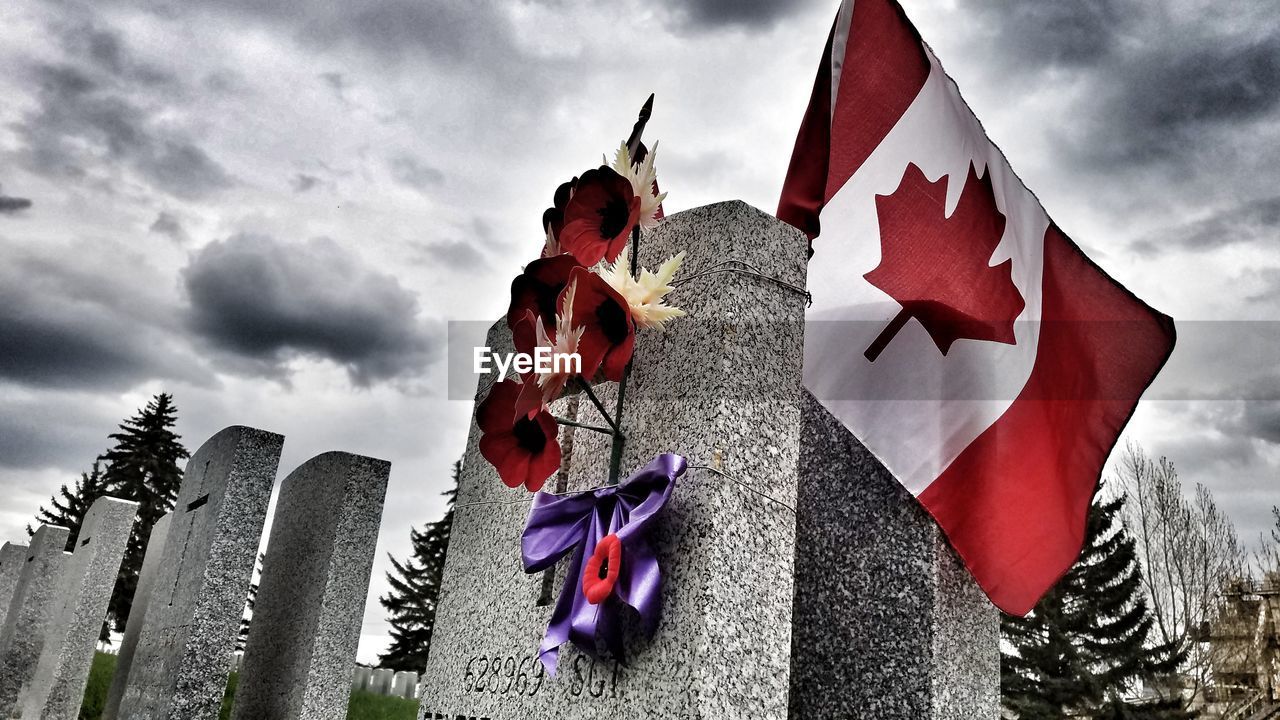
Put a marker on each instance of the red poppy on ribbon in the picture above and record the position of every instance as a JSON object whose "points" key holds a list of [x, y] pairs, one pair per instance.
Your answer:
{"points": [[602, 570], [524, 448], [538, 289], [609, 334], [599, 217]]}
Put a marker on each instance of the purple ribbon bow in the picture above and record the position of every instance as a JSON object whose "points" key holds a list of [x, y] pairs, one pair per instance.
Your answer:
{"points": [[561, 523]]}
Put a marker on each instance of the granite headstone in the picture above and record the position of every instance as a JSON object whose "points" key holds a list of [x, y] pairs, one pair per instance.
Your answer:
{"points": [[179, 669], [360, 678], [382, 680], [137, 616], [27, 621], [56, 690], [405, 684], [722, 387], [12, 559], [311, 596], [888, 624]]}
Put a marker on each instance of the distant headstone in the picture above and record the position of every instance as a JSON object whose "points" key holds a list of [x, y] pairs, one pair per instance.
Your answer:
{"points": [[179, 669], [382, 681], [28, 616], [137, 615], [405, 684], [56, 690], [722, 387], [887, 623], [12, 559], [311, 595], [360, 678]]}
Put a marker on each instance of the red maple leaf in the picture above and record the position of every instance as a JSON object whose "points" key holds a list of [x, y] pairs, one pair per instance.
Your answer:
{"points": [[938, 268]]}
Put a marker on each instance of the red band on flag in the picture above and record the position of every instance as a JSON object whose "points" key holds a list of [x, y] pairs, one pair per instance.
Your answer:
{"points": [[884, 67], [1014, 502]]}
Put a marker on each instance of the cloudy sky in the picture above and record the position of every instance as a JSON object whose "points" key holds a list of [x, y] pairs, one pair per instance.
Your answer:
{"points": [[271, 210]]}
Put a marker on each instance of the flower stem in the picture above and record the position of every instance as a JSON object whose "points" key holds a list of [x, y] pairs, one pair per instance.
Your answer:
{"points": [[584, 426], [586, 388], [615, 456]]}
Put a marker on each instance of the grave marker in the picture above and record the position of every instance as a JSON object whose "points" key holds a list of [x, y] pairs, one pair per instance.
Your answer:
{"points": [[179, 669], [888, 624], [28, 617], [56, 690], [12, 557], [722, 387], [137, 616], [311, 596], [382, 680]]}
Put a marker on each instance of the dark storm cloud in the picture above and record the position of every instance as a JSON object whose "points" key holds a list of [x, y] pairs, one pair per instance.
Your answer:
{"points": [[413, 173], [749, 14], [10, 205], [13, 205], [79, 319], [1256, 220], [302, 182], [168, 225], [1262, 420], [1081, 32], [455, 254], [26, 439], [1159, 83], [90, 109], [266, 301], [446, 29], [1178, 103]]}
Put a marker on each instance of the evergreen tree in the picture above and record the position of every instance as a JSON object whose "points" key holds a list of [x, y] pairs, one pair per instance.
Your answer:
{"points": [[415, 588], [69, 509], [1087, 644], [143, 467]]}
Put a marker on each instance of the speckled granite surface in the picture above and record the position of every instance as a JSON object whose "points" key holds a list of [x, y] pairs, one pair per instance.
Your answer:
{"points": [[23, 636], [12, 559], [888, 624], [137, 616], [721, 387], [180, 666], [56, 690], [311, 596]]}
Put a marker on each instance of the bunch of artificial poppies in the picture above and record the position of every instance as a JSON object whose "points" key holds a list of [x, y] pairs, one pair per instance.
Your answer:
{"points": [[579, 297]]}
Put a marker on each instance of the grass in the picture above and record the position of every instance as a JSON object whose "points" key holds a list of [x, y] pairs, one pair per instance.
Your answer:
{"points": [[363, 705], [371, 706]]}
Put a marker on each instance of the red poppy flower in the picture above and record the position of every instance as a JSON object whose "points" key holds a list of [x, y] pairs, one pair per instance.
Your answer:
{"points": [[601, 573], [523, 448], [599, 217], [538, 289], [553, 217], [609, 334]]}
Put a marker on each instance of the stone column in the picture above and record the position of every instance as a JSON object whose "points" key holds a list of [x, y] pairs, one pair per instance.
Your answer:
{"points": [[56, 691], [137, 616], [12, 559], [311, 596], [888, 624], [722, 387], [179, 669], [27, 621]]}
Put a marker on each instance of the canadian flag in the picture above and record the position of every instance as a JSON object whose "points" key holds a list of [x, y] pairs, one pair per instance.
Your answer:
{"points": [[955, 330]]}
